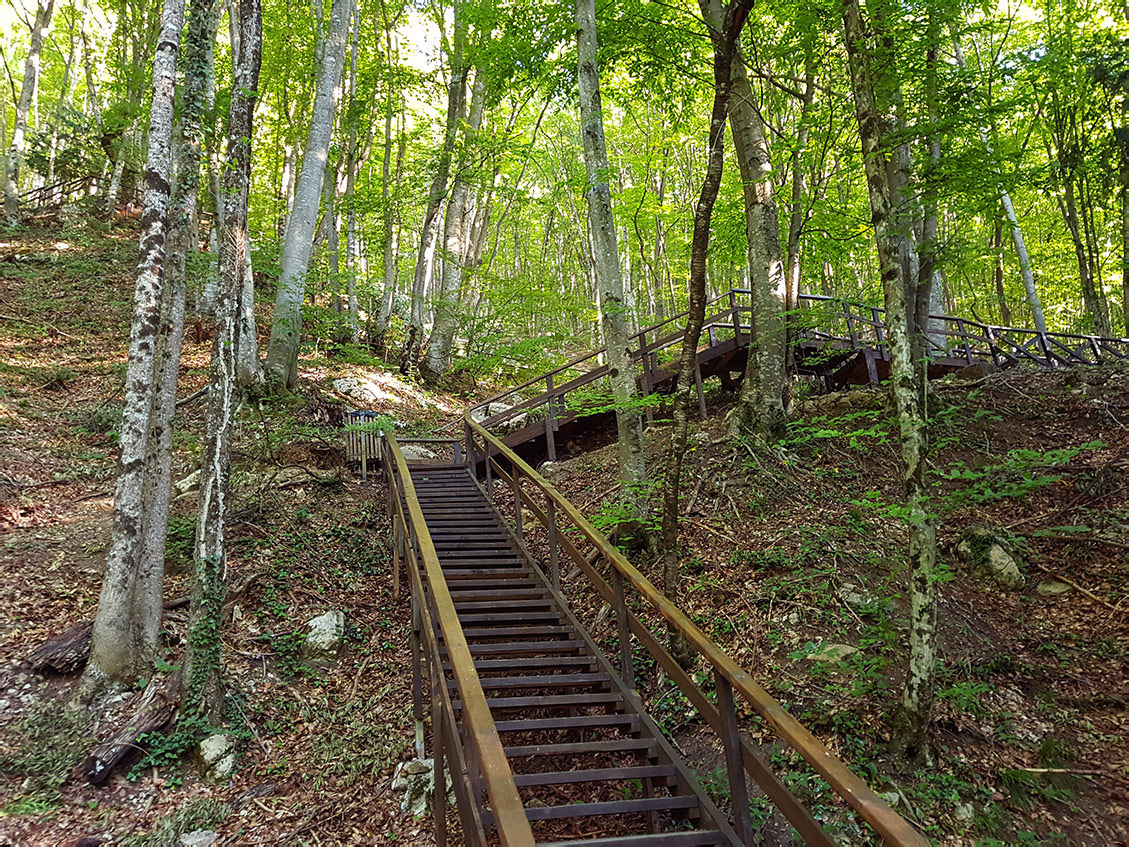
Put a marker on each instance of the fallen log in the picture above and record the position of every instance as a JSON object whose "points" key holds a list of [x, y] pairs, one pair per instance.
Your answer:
{"points": [[68, 651], [154, 711]]}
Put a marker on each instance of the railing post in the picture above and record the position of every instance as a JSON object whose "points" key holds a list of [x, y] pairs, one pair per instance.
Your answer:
{"points": [[626, 665], [734, 766], [395, 553], [964, 341], [516, 480], [550, 422], [489, 470], [469, 439], [736, 317], [554, 556], [417, 670], [438, 753], [879, 331]]}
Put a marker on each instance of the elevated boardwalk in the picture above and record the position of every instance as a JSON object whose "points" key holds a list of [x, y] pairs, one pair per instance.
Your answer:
{"points": [[541, 728], [837, 341]]}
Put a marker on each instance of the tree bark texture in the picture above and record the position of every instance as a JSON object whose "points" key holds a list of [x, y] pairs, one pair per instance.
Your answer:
{"points": [[286, 332], [429, 230], [456, 243], [907, 376], [39, 30], [760, 408], [123, 643], [605, 263], [202, 667]]}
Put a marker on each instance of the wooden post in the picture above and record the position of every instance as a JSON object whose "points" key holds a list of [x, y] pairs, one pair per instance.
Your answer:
{"points": [[489, 472], [516, 478], [879, 332], [623, 625], [736, 317], [734, 767], [964, 341], [554, 556], [550, 422], [439, 785]]}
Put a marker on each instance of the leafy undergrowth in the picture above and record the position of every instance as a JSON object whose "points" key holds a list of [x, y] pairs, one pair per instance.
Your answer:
{"points": [[317, 747], [797, 549]]}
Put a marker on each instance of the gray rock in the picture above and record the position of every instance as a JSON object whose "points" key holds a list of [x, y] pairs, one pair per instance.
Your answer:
{"points": [[217, 752], [416, 780], [1052, 588], [187, 485], [418, 453], [1004, 568], [549, 469], [831, 653], [199, 838], [324, 637], [891, 797], [964, 812], [855, 597]]}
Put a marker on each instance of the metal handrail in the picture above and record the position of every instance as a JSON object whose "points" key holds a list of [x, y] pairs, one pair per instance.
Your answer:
{"points": [[729, 676], [478, 724]]}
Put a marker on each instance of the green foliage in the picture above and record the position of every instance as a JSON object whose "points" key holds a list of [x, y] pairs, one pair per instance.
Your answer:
{"points": [[41, 748], [1020, 473], [197, 813]]}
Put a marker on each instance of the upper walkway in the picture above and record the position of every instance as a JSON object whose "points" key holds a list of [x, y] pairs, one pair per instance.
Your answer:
{"points": [[837, 341]]}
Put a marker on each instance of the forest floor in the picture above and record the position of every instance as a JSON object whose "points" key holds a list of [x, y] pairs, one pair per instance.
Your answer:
{"points": [[788, 550]]}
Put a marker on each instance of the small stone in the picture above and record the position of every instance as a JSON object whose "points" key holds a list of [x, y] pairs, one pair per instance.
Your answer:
{"points": [[892, 798], [1004, 568], [831, 653], [964, 812], [416, 453], [418, 766], [324, 637], [549, 469], [187, 485], [218, 755], [1052, 588], [199, 838]]}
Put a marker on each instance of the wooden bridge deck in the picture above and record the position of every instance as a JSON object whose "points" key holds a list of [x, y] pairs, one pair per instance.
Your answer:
{"points": [[543, 732]]}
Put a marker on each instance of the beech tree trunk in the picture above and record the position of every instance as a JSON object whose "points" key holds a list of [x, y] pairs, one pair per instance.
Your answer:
{"points": [[456, 244], [907, 379], [123, 642], [760, 408], [998, 273], [429, 230], [248, 366], [39, 29], [614, 320], [286, 332], [725, 29], [202, 668]]}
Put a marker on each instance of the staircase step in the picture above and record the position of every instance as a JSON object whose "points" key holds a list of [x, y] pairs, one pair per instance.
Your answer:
{"points": [[530, 780]]}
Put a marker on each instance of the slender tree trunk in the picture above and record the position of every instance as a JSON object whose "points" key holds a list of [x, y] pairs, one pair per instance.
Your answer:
{"points": [[122, 643], [907, 378], [760, 408], [456, 247], [203, 666], [286, 332], [605, 264], [429, 230], [998, 273], [725, 28], [39, 29]]}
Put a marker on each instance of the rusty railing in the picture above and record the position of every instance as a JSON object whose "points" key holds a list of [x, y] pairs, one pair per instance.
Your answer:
{"points": [[477, 760], [567, 531]]}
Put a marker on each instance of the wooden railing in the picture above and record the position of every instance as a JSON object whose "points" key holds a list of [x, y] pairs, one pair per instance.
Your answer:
{"points": [[832, 324], [570, 534], [475, 750], [59, 192]]}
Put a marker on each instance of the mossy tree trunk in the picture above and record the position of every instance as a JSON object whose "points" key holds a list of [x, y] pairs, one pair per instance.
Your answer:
{"points": [[202, 671]]}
